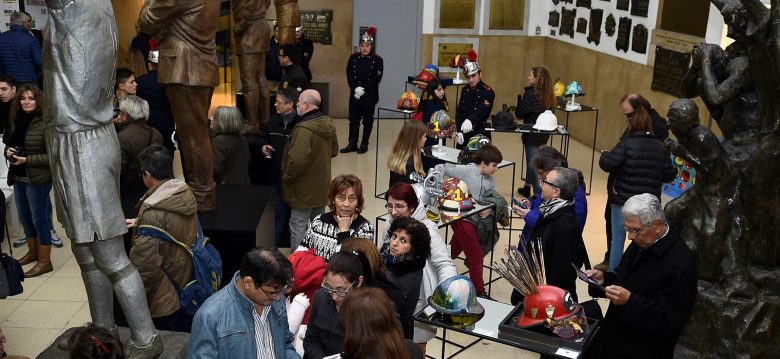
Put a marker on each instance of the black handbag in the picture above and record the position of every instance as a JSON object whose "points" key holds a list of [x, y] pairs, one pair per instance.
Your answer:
{"points": [[11, 272], [504, 120]]}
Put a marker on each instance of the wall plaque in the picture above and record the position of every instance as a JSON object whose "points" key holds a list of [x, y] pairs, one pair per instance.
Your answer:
{"points": [[639, 39], [582, 25], [622, 5], [567, 21], [555, 18], [609, 25], [669, 69], [639, 7], [583, 3], [594, 30], [448, 51], [624, 34], [317, 25]]}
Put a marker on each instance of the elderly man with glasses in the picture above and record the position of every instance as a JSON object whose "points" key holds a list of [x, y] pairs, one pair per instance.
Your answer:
{"points": [[247, 318], [558, 229], [653, 290]]}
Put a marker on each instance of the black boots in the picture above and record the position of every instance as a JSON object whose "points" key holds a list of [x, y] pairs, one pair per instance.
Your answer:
{"points": [[366, 136], [353, 139]]}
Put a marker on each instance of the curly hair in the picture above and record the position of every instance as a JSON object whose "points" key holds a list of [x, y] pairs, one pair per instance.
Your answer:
{"points": [[421, 238]]}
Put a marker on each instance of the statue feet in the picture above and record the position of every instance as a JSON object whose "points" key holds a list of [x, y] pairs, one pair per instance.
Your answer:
{"points": [[150, 351], [740, 288]]}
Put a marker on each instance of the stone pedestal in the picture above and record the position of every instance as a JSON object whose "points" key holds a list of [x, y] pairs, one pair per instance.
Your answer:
{"points": [[175, 344]]}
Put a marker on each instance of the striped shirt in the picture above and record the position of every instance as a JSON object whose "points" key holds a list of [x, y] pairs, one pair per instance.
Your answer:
{"points": [[263, 338]]}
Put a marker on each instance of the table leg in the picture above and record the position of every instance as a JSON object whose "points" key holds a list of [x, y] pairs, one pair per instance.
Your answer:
{"points": [[593, 152]]}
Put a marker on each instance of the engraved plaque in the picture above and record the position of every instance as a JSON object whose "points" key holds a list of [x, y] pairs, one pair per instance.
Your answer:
{"points": [[622, 5], [609, 25], [567, 21], [555, 19], [669, 69], [582, 25], [624, 34], [639, 7], [317, 25], [639, 39], [583, 3], [594, 30]]}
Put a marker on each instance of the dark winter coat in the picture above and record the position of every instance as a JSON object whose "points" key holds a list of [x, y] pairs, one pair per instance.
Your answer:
{"points": [[324, 335], [28, 132], [231, 158], [20, 55], [640, 164], [563, 245], [133, 138], [407, 276], [529, 108], [306, 165], [475, 105], [662, 282], [365, 72], [305, 50], [276, 134], [294, 77]]}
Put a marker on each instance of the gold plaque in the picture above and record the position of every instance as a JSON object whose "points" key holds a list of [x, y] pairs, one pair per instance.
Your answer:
{"points": [[457, 14], [507, 14], [448, 51]]}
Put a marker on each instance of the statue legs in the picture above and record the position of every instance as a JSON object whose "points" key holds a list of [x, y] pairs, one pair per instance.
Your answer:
{"points": [[106, 269], [288, 17], [190, 107], [255, 89]]}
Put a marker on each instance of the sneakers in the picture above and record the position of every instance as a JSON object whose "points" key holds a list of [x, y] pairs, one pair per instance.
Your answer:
{"points": [[55, 239], [20, 242]]}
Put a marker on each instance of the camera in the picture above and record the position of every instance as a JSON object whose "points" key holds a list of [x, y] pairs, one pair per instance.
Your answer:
{"points": [[18, 152]]}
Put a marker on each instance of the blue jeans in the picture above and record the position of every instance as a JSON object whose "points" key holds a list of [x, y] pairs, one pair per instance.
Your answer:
{"points": [[530, 174], [618, 236], [281, 215], [34, 207]]}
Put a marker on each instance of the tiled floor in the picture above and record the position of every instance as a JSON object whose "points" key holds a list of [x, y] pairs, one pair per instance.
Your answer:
{"points": [[55, 301]]}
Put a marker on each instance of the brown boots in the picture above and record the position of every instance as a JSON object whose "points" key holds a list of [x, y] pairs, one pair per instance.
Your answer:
{"points": [[32, 251], [39, 253]]}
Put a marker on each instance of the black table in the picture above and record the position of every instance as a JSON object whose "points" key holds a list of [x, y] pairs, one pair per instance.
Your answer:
{"points": [[583, 109]]}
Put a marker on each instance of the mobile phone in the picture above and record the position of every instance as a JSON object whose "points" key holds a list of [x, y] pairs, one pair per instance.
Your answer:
{"points": [[519, 203]]}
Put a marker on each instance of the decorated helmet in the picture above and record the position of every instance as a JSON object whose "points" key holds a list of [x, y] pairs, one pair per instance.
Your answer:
{"points": [[408, 101], [456, 298], [471, 65], [559, 88], [457, 62], [456, 196], [154, 52], [468, 152], [574, 88], [441, 125], [423, 78], [548, 302], [368, 36]]}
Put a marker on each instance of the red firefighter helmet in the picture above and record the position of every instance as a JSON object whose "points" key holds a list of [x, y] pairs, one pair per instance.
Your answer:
{"points": [[548, 302]]}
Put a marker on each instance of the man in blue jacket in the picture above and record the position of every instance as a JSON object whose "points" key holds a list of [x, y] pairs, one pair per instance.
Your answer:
{"points": [[20, 53], [247, 318]]}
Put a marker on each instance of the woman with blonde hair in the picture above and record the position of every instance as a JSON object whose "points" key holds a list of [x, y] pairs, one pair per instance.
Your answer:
{"points": [[229, 147], [371, 329], [406, 156]]}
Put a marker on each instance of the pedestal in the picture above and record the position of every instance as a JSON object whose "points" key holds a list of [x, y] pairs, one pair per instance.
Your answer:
{"points": [[175, 344]]}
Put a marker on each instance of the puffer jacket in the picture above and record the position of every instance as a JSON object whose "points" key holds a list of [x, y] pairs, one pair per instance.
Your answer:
{"points": [[36, 169], [170, 206], [306, 168], [529, 108], [640, 164]]}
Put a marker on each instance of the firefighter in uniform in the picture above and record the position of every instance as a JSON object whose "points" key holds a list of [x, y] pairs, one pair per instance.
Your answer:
{"points": [[364, 72], [475, 105]]}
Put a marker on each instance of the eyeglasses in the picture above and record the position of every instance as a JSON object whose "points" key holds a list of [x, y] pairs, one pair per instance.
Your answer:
{"points": [[542, 181], [275, 295], [338, 292], [634, 231], [397, 207], [343, 198]]}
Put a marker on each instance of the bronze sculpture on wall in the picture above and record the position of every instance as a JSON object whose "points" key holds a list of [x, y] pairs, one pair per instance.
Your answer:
{"points": [[79, 64], [732, 214]]}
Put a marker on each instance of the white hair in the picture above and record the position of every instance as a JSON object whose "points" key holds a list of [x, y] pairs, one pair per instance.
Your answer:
{"points": [[135, 107], [646, 207]]}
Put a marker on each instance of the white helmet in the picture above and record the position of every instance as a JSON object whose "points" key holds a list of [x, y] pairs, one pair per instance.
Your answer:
{"points": [[546, 121]]}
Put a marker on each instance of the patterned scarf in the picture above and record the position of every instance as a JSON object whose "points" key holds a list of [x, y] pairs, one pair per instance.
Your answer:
{"points": [[389, 259], [549, 207]]}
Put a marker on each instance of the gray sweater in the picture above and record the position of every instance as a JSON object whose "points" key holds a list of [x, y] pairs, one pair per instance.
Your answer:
{"points": [[478, 184]]}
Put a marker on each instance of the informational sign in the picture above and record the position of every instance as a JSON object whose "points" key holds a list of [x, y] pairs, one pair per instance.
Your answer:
{"points": [[317, 25], [38, 11], [669, 69], [8, 7], [448, 51]]}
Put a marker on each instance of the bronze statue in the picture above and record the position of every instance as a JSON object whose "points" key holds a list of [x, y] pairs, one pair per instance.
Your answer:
{"points": [[186, 32], [79, 63], [732, 214]]}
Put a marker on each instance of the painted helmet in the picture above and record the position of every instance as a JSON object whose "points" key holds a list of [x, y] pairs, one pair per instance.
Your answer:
{"points": [[456, 196], [441, 125], [555, 308], [468, 152], [456, 298], [457, 62], [574, 88], [559, 88], [423, 78], [408, 101]]}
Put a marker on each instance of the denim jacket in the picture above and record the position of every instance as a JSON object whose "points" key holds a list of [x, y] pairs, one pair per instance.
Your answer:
{"points": [[223, 327]]}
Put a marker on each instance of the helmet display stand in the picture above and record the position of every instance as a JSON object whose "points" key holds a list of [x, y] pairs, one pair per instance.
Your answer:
{"points": [[572, 105], [438, 150], [457, 80]]}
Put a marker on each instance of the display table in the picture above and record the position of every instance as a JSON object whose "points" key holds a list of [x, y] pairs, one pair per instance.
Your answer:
{"points": [[487, 328], [444, 222], [583, 109], [406, 115]]}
